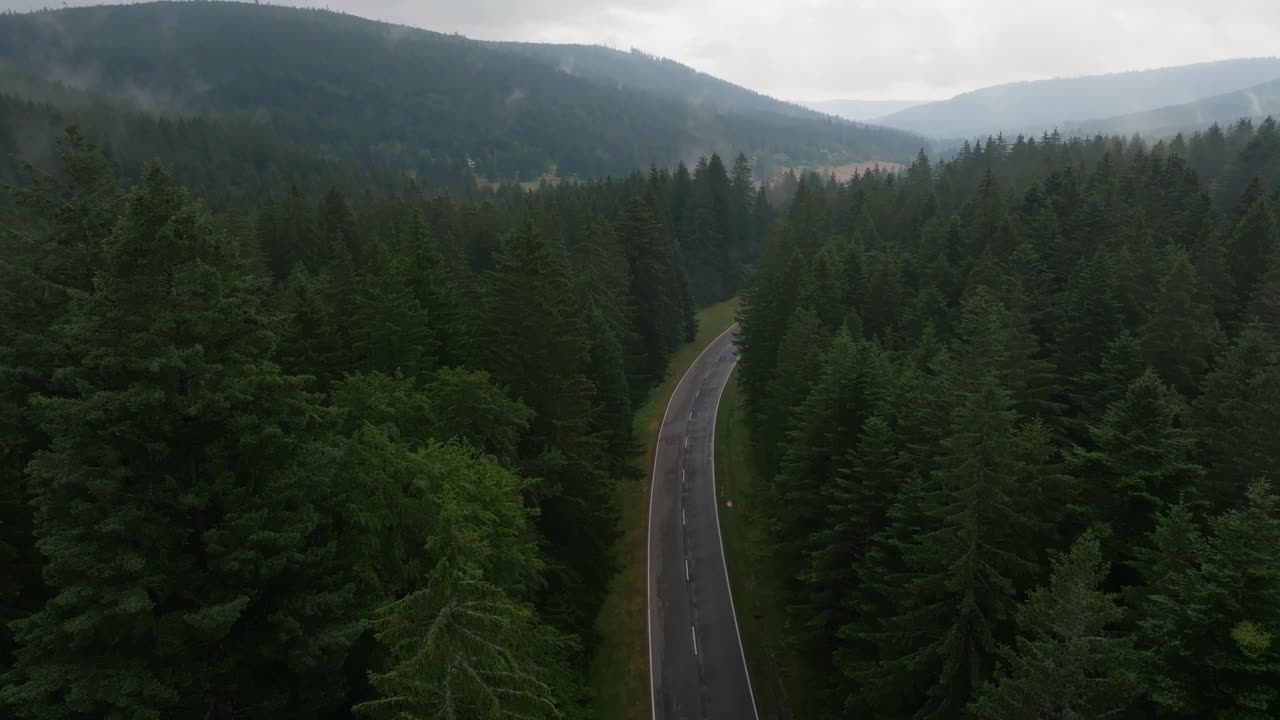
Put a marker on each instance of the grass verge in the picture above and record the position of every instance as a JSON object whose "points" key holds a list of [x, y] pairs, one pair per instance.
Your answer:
{"points": [[620, 669], [779, 678]]}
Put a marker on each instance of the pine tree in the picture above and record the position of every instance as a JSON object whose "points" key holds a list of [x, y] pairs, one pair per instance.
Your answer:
{"points": [[1264, 307], [177, 504], [858, 499], [308, 342], [1253, 238], [1180, 333], [464, 644], [822, 434], [956, 598], [1206, 628], [1122, 363], [799, 364], [464, 404], [1213, 269], [69, 214], [1236, 416], [1068, 662], [1143, 462], [537, 345], [663, 308], [443, 289], [392, 331], [767, 304]]}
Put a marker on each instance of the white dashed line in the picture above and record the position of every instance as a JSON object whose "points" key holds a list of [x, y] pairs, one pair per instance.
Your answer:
{"points": [[694, 633], [684, 518], [686, 568]]}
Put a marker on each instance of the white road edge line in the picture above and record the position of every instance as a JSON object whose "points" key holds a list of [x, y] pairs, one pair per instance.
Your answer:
{"points": [[694, 633], [653, 481], [715, 497]]}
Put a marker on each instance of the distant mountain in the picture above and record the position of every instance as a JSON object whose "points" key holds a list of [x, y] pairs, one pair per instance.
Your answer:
{"points": [[1047, 104], [1255, 102], [861, 110], [439, 107]]}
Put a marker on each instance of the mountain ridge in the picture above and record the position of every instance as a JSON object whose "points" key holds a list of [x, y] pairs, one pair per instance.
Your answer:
{"points": [[422, 103], [1039, 105]]}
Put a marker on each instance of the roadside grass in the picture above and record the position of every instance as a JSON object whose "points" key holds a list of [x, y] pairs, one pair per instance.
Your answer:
{"points": [[784, 688], [620, 670]]}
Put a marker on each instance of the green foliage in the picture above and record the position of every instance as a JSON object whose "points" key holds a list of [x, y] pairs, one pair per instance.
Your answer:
{"points": [[177, 505], [485, 111], [1143, 462], [1044, 310], [1068, 661], [208, 483], [1207, 622]]}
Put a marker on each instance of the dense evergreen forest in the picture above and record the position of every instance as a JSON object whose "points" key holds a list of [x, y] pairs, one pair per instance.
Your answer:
{"points": [[1017, 415], [402, 101], [329, 451]]}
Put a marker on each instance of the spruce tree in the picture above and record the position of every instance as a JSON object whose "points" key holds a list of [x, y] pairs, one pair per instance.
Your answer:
{"points": [[1144, 462], [178, 505], [957, 596], [537, 345], [69, 213], [466, 644], [800, 361], [1236, 416], [1206, 628], [1253, 237], [1068, 662], [1180, 332]]}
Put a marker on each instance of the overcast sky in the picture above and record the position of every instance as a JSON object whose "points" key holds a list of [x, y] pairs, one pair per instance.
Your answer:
{"points": [[863, 49]]}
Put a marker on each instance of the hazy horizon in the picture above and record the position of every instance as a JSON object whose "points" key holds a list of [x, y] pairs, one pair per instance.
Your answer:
{"points": [[803, 51]]}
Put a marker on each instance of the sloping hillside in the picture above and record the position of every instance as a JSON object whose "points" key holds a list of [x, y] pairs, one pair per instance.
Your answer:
{"points": [[1046, 104], [1255, 102], [423, 103], [861, 110], [659, 76]]}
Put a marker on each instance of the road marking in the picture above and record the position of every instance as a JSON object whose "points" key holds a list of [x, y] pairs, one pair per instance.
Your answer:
{"points": [[648, 569], [694, 633], [681, 476], [724, 563], [686, 442], [684, 519], [686, 568]]}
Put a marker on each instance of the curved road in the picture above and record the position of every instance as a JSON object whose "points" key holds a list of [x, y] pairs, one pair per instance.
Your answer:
{"points": [[696, 665]]}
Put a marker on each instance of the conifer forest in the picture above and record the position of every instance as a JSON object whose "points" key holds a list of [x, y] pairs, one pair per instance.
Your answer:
{"points": [[289, 432]]}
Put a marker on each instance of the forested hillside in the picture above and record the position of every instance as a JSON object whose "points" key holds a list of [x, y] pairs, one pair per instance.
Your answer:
{"points": [[1043, 105], [228, 164], [329, 450], [1255, 102], [1016, 420], [660, 76], [441, 108]]}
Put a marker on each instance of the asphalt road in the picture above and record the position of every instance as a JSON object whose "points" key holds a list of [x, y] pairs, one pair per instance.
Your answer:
{"points": [[696, 664]]}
